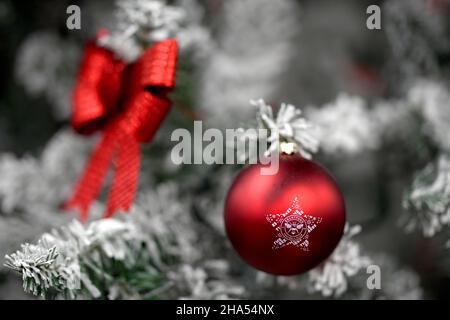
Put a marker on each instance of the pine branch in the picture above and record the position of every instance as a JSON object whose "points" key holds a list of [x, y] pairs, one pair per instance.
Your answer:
{"points": [[91, 261], [428, 199], [331, 277], [140, 255]]}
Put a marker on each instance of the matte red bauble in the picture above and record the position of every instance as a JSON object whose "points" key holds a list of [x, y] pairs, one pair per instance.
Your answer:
{"points": [[286, 223]]}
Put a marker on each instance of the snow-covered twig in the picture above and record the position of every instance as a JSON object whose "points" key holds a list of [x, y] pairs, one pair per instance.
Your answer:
{"points": [[331, 278]]}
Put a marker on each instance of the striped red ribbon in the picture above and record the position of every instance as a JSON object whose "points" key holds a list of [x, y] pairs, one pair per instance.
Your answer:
{"points": [[127, 103]]}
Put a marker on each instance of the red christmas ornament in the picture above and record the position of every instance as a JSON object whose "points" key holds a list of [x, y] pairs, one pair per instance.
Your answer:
{"points": [[286, 223]]}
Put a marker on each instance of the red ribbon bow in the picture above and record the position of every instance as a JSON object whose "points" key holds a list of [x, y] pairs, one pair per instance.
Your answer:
{"points": [[126, 102]]}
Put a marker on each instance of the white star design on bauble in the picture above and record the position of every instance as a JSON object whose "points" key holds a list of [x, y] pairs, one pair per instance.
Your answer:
{"points": [[293, 227]]}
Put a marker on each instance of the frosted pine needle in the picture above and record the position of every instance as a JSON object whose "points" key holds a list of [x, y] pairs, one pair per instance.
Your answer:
{"points": [[287, 127], [428, 201], [345, 125], [331, 278], [141, 23]]}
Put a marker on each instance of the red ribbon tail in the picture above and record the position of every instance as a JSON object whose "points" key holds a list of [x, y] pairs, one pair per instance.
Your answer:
{"points": [[124, 185], [89, 186]]}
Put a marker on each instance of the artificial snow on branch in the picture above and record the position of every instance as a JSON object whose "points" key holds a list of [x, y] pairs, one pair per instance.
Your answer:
{"points": [[331, 278], [428, 200], [432, 100], [345, 126], [287, 127], [64, 260], [33, 188], [141, 23], [135, 256], [44, 271]]}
